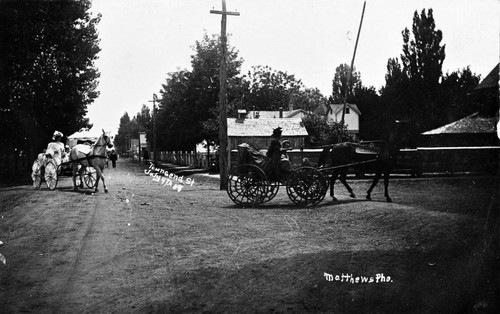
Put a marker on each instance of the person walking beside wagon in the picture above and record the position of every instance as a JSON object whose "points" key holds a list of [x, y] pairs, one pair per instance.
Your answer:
{"points": [[113, 157]]}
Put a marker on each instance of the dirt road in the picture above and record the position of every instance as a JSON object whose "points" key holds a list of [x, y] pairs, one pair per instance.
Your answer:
{"points": [[145, 247]]}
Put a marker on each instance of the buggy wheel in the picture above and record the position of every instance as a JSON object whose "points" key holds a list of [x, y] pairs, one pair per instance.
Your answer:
{"points": [[51, 175], [272, 190], [90, 176], [306, 186], [247, 185], [36, 174]]}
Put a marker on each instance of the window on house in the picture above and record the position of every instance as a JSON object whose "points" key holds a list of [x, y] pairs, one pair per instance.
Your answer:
{"points": [[347, 110]]}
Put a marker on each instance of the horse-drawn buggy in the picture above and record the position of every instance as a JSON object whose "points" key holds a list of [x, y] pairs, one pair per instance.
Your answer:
{"points": [[86, 159], [258, 176]]}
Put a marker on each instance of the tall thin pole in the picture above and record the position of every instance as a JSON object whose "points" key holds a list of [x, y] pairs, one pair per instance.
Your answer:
{"points": [[349, 76], [223, 145], [154, 128]]}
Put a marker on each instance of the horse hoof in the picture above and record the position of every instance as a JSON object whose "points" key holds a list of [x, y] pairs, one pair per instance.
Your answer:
{"points": [[389, 200], [334, 198], [368, 197], [105, 190], [352, 195]]}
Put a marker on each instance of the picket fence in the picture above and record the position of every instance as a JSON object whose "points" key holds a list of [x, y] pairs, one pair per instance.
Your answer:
{"points": [[185, 158]]}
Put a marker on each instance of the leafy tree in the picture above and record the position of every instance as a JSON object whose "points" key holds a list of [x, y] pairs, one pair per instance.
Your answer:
{"points": [[47, 71], [269, 89], [457, 92], [189, 98], [308, 99], [412, 87], [323, 133], [340, 84], [124, 134]]}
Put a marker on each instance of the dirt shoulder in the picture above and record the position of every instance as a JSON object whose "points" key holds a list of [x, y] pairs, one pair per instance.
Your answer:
{"points": [[146, 247]]}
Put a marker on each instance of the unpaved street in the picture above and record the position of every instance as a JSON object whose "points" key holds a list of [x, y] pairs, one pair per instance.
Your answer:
{"points": [[145, 247]]}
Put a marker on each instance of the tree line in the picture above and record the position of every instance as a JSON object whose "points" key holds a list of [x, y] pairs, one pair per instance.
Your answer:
{"points": [[416, 91], [47, 75]]}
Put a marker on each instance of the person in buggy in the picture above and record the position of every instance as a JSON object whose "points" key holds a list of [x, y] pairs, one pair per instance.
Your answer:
{"points": [[277, 153], [55, 149]]}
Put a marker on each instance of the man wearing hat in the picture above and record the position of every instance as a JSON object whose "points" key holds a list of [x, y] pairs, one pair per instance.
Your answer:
{"points": [[284, 166]]}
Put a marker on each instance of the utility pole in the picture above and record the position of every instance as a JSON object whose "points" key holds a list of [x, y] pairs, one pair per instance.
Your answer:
{"points": [[223, 150], [154, 127], [350, 75]]}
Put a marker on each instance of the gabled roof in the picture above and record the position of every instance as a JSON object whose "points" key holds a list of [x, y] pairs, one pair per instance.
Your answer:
{"points": [[323, 109], [336, 108], [265, 127], [491, 80], [471, 124]]}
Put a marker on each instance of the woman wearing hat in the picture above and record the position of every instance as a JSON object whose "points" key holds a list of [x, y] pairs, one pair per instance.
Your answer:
{"points": [[56, 149], [275, 153]]}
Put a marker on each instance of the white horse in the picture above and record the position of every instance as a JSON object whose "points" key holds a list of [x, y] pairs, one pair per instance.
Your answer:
{"points": [[90, 156]]}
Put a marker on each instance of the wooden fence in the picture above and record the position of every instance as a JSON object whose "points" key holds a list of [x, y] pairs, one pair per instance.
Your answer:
{"points": [[484, 159], [185, 158]]}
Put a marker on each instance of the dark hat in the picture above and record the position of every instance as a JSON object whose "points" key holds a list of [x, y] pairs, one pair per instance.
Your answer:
{"points": [[277, 132]]}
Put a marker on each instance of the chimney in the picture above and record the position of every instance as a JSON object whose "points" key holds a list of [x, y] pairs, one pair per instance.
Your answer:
{"points": [[281, 112], [242, 113]]}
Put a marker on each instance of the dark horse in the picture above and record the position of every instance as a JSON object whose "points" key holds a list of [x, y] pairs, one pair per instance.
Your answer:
{"points": [[377, 156]]}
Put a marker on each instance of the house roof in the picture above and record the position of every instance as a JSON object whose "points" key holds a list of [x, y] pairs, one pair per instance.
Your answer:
{"points": [[491, 80], [336, 108], [274, 114], [323, 109], [471, 124], [264, 127]]}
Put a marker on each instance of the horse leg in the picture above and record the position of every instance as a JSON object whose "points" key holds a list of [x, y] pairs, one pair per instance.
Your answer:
{"points": [[100, 175], [80, 173], [386, 186], [375, 181], [75, 169], [342, 179], [333, 178]]}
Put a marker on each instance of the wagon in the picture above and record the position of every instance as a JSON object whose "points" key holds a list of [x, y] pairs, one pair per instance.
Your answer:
{"points": [[50, 173], [251, 183]]}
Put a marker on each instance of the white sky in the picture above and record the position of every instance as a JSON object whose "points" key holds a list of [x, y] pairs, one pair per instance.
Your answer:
{"points": [[142, 41]]}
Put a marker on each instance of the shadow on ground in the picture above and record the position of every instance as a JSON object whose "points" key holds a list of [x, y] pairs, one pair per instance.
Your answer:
{"points": [[452, 280]]}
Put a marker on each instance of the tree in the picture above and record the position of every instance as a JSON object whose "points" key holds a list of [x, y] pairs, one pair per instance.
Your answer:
{"points": [[412, 86], [47, 71], [323, 133], [188, 98], [457, 92], [123, 136], [269, 89], [308, 99], [340, 84]]}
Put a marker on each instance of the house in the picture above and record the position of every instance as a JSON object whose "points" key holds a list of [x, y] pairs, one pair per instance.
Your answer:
{"points": [[469, 144], [257, 132], [474, 130], [333, 113]]}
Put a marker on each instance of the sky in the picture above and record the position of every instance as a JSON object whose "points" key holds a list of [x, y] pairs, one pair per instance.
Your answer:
{"points": [[143, 41]]}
